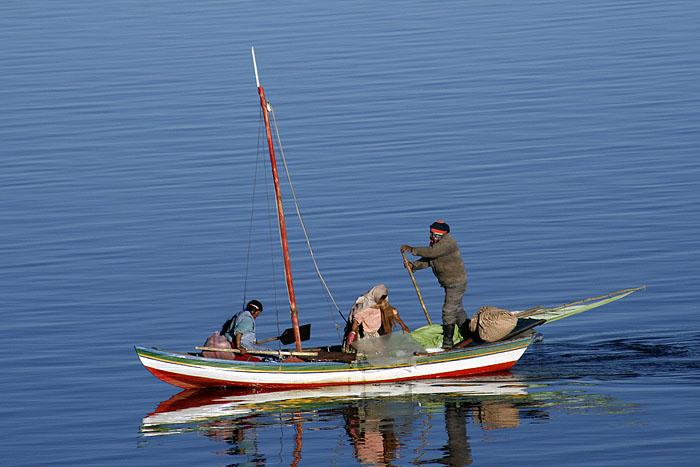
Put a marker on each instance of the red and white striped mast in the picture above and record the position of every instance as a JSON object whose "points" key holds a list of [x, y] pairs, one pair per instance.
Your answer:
{"points": [[280, 211]]}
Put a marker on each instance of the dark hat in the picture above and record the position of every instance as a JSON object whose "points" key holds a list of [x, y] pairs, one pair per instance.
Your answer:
{"points": [[439, 227], [254, 305]]}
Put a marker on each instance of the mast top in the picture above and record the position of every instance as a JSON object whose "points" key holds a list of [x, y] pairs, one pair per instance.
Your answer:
{"points": [[255, 65]]}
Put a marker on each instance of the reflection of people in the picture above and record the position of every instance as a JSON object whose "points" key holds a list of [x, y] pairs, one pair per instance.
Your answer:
{"points": [[496, 415], [240, 329], [241, 436], [457, 450], [371, 430], [443, 256], [372, 315]]}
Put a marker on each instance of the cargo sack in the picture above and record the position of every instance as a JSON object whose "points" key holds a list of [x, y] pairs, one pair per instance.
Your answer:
{"points": [[218, 341], [492, 324]]}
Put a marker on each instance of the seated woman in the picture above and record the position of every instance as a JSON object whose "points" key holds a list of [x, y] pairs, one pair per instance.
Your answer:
{"points": [[371, 315], [240, 330]]}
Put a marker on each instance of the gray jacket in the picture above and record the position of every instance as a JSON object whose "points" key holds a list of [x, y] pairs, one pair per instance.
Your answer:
{"points": [[443, 256]]}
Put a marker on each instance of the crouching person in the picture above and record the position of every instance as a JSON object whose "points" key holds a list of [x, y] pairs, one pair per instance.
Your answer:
{"points": [[372, 316]]}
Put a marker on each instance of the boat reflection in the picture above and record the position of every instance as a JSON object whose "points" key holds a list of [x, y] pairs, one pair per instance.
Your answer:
{"points": [[375, 420], [191, 406], [417, 422]]}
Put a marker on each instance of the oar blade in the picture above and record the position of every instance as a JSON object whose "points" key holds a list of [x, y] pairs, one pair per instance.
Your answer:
{"points": [[287, 336]]}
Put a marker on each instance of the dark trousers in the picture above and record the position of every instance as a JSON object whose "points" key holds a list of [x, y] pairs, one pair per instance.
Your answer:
{"points": [[453, 310]]}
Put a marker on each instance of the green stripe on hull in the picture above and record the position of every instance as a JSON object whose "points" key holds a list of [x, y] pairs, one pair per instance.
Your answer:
{"points": [[326, 367]]}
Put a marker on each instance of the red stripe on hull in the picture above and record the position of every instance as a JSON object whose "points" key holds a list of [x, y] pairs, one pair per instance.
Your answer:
{"points": [[195, 382]]}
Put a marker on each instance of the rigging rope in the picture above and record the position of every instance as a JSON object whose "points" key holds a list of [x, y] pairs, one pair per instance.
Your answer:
{"points": [[301, 220], [270, 228], [250, 230]]}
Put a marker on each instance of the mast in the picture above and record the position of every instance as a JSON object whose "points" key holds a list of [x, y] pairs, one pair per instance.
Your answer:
{"points": [[280, 210]]}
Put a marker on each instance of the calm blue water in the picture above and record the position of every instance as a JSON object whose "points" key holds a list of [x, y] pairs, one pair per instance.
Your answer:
{"points": [[558, 139]]}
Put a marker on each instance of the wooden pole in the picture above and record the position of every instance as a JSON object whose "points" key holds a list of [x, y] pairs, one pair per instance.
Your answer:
{"points": [[278, 353], [420, 297], [537, 310]]}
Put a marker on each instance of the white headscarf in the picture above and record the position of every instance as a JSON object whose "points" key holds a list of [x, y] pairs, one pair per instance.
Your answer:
{"points": [[370, 298]]}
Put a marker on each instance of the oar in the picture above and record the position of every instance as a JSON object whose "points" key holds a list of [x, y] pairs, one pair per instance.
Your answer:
{"points": [[420, 297], [287, 336], [277, 353]]}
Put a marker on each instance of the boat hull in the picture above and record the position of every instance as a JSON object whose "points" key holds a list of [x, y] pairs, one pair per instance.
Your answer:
{"points": [[191, 371]]}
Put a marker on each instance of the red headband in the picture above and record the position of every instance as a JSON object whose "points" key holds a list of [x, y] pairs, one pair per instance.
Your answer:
{"points": [[439, 227]]}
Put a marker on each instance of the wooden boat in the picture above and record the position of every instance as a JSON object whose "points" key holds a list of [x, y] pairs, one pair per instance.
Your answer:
{"points": [[301, 368], [326, 367]]}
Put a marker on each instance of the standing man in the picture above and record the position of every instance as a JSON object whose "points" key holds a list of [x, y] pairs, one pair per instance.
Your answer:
{"points": [[240, 330], [442, 255]]}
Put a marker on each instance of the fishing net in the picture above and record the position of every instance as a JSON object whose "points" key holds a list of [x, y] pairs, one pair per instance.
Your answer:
{"points": [[396, 348]]}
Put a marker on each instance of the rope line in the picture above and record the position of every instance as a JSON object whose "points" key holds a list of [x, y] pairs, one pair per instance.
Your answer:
{"points": [[272, 227], [250, 223], [301, 220]]}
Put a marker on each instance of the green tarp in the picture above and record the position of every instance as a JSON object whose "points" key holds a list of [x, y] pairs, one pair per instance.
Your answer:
{"points": [[430, 336]]}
